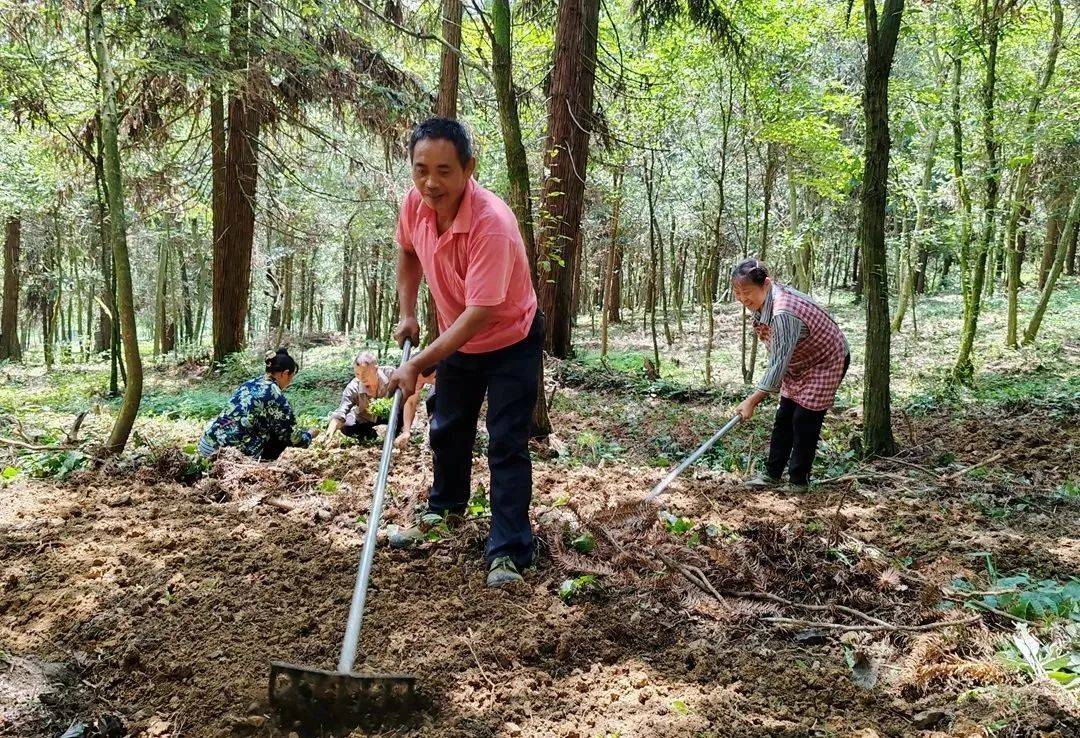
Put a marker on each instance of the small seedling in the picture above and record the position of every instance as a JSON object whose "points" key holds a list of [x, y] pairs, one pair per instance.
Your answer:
{"points": [[479, 504], [585, 543], [329, 486], [680, 707], [573, 588], [676, 525]]}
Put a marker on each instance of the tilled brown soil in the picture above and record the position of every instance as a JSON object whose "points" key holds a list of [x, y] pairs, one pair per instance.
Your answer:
{"points": [[160, 604]]}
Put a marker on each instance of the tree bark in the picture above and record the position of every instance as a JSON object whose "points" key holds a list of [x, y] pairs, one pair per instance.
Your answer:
{"points": [[10, 346], [566, 155], [881, 39], [449, 66], [232, 254]]}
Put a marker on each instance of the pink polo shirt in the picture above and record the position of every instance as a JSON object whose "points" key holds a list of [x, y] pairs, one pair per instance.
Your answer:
{"points": [[479, 261]]}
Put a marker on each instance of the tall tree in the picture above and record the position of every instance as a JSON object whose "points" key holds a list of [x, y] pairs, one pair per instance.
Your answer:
{"points": [[1023, 176], [232, 251], [517, 165], [881, 39], [117, 218], [992, 16], [1067, 239], [566, 157]]}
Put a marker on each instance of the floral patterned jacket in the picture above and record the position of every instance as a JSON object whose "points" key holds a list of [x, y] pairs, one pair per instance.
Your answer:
{"points": [[258, 420]]}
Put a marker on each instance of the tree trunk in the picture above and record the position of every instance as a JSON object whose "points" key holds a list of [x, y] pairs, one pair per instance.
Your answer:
{"points": [[129, 408], [160, 296], [1070, 260], [963, 364], [566, 155], [1019, 200], [1068, 237], [914, 275], [881, 46], [232, 255], [446, 103], [346, 281], [10, 346], [1055, 208], [609, 266]]}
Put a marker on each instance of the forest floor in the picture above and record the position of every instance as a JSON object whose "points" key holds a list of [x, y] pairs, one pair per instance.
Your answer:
{"points": [[147, 595]]}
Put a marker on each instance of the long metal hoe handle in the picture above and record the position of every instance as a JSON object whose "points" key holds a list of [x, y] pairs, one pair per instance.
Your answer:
{"points": [[356, 608], [692, 458]]}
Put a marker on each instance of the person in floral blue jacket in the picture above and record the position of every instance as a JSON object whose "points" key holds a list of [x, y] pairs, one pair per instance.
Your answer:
{"points": [[258, 419]]}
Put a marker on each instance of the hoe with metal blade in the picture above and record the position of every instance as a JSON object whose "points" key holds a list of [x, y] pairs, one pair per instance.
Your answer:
{"points": [[344, 697], [663, 484]]}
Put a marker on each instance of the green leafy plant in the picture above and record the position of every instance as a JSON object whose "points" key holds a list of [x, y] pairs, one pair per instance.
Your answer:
{"points": [[591, 448], [479, 504], [571, 589], [584, 543], [56, 464], [676, 525], [1058, 662], [329, 486], [1042, 600], [379, 408]]}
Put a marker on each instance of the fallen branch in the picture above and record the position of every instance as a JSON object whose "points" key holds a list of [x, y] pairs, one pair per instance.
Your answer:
{"points": [[929, 472], [872, 628], [697, 577], [988, 608], [468, 642], [856, 476], [956, 475], [35, 446], [73, 434]]}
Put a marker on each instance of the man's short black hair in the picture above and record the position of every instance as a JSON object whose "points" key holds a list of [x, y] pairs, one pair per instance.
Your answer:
{"points": [[447, 129]]}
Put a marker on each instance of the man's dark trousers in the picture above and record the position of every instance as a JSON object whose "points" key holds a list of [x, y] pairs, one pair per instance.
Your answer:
{"points": [[509, 377]]}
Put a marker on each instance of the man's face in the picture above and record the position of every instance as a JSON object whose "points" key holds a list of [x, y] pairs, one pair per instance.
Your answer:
{"points": [[438, 174], [367, 374]]}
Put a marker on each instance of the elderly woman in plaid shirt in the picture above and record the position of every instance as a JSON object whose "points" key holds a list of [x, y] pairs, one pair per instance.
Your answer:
{"points": [[808, 357]]}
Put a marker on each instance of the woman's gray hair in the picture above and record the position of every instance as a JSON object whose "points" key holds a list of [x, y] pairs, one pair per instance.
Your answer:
{"points": [[365, 358]]}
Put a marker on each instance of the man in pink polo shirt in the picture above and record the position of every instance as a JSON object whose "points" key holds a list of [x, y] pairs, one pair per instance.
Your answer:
{"points": [[465, 241]]}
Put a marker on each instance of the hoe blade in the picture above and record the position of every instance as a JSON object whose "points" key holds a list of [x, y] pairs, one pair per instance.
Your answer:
{"points": [[316, 697]]}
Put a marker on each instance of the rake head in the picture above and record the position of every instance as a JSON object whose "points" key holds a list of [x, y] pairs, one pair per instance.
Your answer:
{"points": [[315, 697]]}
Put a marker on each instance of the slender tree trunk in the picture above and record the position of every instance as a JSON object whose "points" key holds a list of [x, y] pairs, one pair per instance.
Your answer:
{"points": [[769, 182], [517, 166], [914, 275], [1070, 259], [129, 408], [881, 41], [1068, 236], [964, 247], [609, 266]]}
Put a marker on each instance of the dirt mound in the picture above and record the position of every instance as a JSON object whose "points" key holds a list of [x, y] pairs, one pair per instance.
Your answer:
{"points": [[164, 602]]}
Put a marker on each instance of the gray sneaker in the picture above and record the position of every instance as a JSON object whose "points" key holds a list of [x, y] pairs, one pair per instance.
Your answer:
{"points": [[502, 572], [761, 481], [429, 526]]}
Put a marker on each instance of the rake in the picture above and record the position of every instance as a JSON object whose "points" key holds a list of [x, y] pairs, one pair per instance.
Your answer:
{"points": [[344, 697]]}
